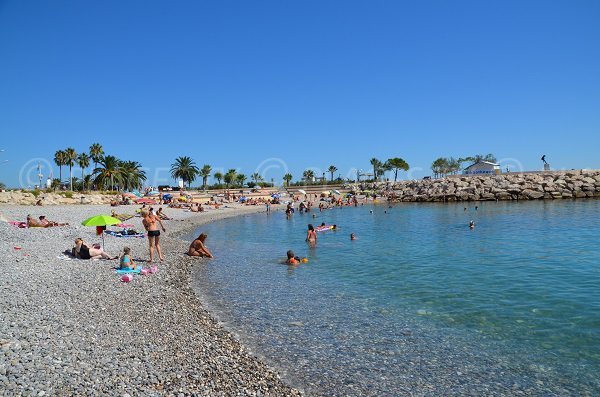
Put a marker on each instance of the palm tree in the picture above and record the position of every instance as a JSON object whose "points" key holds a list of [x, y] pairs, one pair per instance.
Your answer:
{"points": [[287, 178], [70, 158], [240, 178], [332, 169], [109, 171], [205, 173], [256, 177], [184, 168], [308, 175], [60, 160], [132, 174], [488, 157], [83, 160], [397, 164], [96, 153], [376, 167], [218, 176], [230, 176]]}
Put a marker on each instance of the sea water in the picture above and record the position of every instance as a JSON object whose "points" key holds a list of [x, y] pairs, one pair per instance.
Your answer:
{"points": [[419, 303]]}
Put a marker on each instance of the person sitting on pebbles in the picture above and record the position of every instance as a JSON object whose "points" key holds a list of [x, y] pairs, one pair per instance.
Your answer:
{"points": [[83, 251], [126, 261], [197, 248]]}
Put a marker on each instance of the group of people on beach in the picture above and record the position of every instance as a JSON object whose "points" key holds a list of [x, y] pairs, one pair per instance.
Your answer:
{"points": [[42, 222]]}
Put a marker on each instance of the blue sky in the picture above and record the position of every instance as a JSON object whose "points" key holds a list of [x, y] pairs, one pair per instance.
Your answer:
{"points": [[270, 86]]}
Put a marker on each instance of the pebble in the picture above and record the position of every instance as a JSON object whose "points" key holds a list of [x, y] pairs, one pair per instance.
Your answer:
{"points": [[81, 330]]}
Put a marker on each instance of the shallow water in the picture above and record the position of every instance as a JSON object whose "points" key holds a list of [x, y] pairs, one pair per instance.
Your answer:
{"points": [[419, 304]]}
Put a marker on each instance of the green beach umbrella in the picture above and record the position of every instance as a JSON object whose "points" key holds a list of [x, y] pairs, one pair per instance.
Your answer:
{"points": [[101, 220]]}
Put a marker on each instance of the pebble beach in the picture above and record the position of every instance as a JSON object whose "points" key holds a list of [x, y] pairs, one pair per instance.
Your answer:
{"points": [[72, 327]]}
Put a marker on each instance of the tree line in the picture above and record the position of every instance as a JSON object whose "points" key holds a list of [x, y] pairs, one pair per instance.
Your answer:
{"points": [[108, 170], [444, 166]]}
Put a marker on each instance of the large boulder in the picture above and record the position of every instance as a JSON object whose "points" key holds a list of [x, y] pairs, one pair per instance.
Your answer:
{"points": [[532, 194]]}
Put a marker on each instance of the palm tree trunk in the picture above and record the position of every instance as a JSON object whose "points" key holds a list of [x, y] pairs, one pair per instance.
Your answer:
{"points": [[82, 179], [71, 177]]}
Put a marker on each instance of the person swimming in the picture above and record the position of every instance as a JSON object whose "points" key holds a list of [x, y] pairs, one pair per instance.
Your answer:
{"points": [[291, 258], [352, 236], [472, 225]]}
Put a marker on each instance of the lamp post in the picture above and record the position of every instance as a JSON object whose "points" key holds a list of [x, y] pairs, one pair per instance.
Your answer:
{"points": [[39, 168]]}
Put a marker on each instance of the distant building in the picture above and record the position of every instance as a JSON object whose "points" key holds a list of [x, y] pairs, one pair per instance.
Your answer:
{"points": [[482, 168]]}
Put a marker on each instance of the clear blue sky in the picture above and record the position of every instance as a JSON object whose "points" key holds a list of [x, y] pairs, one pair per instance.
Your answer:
{"points": [[303, 83]]}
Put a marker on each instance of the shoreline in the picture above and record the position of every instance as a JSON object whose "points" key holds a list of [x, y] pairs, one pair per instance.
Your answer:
{"points": [[79, 329]]}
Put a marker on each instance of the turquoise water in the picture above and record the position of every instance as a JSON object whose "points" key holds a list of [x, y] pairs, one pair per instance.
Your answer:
{"points": [[419, 304]]}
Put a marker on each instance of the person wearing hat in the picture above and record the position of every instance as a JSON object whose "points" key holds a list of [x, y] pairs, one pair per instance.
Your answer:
{"points": [[197, 248]]}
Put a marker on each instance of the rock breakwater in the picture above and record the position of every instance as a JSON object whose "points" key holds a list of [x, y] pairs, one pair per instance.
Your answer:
{"points": [[510, 186]]}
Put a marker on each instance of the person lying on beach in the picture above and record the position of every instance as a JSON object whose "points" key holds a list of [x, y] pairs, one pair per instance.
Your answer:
{"points": [[83, 251], [197, 248], [122, 217], [32, 222], [46, 223]]}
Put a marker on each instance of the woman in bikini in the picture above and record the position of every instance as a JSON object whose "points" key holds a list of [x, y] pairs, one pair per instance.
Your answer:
{"points": [[84, 251], [311, 235], [149, 223]]}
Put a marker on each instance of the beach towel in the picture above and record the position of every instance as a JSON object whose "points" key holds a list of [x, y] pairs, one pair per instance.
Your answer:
{"points": [[124, 233], [123, 217], [127, 271]]}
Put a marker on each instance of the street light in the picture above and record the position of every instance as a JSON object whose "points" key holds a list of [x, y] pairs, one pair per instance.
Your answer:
{"points": [[39, 167]]}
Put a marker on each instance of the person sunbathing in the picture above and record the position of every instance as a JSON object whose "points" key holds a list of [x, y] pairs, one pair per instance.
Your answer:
{"points": [[47, 223], [83, 251], [122, 217], [197, 248], [32, 222]]}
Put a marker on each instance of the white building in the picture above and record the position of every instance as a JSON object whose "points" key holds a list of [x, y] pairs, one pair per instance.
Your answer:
{"points": [[482, 168]]}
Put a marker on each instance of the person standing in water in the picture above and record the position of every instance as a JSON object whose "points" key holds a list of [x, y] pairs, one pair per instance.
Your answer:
{"points": [[150, 223], [311, 235]]}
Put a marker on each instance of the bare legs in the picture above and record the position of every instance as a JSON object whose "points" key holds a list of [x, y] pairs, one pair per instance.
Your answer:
{"points": [[154, 241], [157, 239]]}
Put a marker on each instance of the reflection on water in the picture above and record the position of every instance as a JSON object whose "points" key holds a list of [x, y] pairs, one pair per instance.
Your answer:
{"points": [[419, 304]]}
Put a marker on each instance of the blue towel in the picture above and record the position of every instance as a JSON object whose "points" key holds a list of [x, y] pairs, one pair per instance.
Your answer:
{"points": [[126, 271]]}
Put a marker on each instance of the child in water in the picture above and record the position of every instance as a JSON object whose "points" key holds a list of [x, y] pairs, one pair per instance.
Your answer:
{"points": [[126, 261], [292, 259]]}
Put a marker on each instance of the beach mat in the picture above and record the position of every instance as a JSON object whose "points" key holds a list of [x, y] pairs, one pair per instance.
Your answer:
{"points": [[119, 234], [128, 271]]}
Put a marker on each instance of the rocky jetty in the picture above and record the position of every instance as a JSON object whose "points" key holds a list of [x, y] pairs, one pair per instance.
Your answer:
{"points": [[510, 186]]}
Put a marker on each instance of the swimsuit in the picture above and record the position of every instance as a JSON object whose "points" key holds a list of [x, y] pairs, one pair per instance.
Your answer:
{"points": [[84, 252], [153, 233]]}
